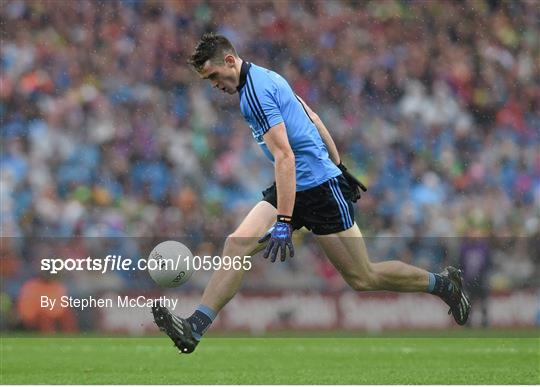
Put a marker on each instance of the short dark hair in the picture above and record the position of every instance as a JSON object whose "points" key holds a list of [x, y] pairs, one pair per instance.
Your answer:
{"points": [[210, 47]]}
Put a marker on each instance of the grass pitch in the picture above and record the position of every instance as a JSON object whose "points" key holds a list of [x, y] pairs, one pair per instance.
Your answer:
{"points": [[388, 360]]}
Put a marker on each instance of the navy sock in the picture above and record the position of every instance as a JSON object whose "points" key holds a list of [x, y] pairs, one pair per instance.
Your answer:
{"points": [[200, 320], [440, 286]]}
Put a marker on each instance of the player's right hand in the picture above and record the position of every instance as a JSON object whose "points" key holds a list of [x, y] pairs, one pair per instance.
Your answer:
{"points": [[279, 237]]}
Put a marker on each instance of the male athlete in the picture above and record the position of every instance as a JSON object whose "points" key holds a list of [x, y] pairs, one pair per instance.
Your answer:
{"points": [[312, 189]]}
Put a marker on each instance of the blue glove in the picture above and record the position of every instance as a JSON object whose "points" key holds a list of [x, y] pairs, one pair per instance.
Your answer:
{"points": [[280, 237]]}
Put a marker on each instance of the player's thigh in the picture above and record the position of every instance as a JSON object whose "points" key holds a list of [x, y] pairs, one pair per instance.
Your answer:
{"points": [[261, 217], [347, 251]]}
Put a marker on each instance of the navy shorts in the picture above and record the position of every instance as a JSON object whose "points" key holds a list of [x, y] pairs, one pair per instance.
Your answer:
{"points": [[324, 209]]}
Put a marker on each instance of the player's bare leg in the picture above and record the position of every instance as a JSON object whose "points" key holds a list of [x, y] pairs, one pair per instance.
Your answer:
{"points": [[223, 285], [347, 252], [244, 241]]}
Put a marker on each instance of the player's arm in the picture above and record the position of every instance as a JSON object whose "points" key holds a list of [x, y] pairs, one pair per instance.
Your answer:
{"points": [[265, 99], [323, 132], [285, 170], [357, 186], [279, 236]]}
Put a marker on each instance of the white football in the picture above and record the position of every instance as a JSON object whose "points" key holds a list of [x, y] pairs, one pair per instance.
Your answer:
{"points": [[169, 264]]}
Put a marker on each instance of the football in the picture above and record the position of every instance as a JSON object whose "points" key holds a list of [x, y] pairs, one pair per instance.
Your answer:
{"points": [[169, 264]]}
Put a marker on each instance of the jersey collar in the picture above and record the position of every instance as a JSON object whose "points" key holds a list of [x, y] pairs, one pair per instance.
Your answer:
{"points": [[243, 75]]}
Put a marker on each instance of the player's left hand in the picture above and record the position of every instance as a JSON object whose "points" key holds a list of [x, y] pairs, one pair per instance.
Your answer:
{"points": [[279, 237], [355, 184]]}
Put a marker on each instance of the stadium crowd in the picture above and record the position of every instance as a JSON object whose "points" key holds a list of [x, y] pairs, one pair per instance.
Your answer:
{"points": [[106, 132]]}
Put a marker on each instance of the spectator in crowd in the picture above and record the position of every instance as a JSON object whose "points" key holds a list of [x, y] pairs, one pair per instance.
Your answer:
{"points": [[475, 261], [45, 320]]}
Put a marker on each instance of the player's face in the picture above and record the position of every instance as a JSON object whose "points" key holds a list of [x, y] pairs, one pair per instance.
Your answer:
{"points": [[222, 76]]}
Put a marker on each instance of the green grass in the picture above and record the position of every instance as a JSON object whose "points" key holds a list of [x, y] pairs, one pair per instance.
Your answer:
{"points": [[153, 360]]}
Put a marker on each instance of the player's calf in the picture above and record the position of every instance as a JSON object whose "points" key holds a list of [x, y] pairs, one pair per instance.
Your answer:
{"points": [[398, 276]]}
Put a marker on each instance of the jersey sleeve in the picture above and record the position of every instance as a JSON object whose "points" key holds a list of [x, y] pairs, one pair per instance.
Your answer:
{"points": [[263, 101]]}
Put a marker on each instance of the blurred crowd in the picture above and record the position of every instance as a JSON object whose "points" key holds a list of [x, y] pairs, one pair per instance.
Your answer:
{"points": [[435, 105]]}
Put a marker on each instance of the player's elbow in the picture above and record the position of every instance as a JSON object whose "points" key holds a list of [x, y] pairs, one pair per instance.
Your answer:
{"points": [[284, 155]]}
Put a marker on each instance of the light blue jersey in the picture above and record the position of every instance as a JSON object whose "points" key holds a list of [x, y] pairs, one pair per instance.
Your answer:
{"points": [[266, 99]]}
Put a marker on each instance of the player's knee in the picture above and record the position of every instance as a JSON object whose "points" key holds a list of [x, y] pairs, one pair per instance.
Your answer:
{"points": [[364, 282], [361, 285], [239, 243]]}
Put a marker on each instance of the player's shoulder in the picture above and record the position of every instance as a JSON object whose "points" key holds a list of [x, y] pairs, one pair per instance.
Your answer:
{"points": [[263, 78]]}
